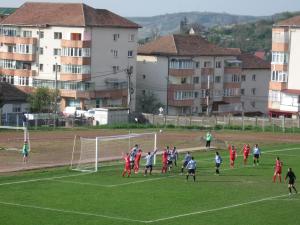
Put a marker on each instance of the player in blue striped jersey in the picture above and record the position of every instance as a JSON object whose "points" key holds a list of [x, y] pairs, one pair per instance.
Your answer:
{"points": [[191, 167], [186, 160]]}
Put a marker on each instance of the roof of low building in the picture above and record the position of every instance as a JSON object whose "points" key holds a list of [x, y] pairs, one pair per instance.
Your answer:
{"points": [[9, 93], [293, 21], [185, 45], [250, 61], [65, 14], [291, 91]]}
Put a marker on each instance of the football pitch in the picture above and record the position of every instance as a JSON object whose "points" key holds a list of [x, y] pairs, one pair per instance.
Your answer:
{"points": [[244, 195]]}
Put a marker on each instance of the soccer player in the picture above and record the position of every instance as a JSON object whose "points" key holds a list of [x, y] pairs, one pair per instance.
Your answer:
{"points": [[127, 167], [186, 160], [191, 167], [232, 154], [208, 139], [218, 161], [137, 161], [149, 162], [170, 158], [278, 168], [246, 152], [133, 152], [256, 155], [25, 152], [175, 155], [164, 161], [292, 178]]}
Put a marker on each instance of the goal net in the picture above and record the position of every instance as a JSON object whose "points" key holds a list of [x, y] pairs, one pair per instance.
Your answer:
{"points": [[12, 138], [88, 153]]}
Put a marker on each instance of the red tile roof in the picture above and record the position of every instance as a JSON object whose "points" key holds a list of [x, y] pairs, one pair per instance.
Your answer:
{"points": [[253, 62], [294, 21], [65, 14], [185, 45]]}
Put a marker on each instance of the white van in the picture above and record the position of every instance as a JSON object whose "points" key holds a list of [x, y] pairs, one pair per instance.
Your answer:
{"points": [[72, 111]]}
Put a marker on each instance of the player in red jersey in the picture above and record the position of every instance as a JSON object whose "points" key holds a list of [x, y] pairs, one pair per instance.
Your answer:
{"points": [[137, 161], [246, 152], [278, 169], [232, 153], [127, 168], [164, 161]]}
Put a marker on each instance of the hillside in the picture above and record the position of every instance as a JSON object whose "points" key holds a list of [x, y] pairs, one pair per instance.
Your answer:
{"points": [[169, 23]]}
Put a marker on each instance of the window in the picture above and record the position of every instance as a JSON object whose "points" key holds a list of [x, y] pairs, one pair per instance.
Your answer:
{"points": [[280, 57], [76, 69], [207, 64], [11, 48], [184, 95], [144, 92], [131, 37], [16, 108], [181, 64], [115, 53], [253, 104], [253, 91], [235, 78], [41, 51], [253, 77], [116, 37], [57, 35], [58, 68], [196, 80], [242, 91], [197, 65], [218, 64], [115, 69], [217, 79], [41, 34], [76, 52], [130, 54], [41, 67], [144, 76], [183, 80], [196, 94], [27, 33], [57, 51], [76, 36], [243, 78]]}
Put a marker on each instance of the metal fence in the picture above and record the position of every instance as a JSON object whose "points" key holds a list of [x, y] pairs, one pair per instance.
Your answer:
{"points": [[244, 123]]}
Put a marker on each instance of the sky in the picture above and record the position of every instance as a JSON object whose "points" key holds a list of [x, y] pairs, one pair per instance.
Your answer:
{"points": [[131, 8]]}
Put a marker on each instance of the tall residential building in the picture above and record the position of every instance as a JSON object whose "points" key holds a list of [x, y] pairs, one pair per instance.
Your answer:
{"points": [[188, 75], [255, 80], [91, 51], [284, 88]]}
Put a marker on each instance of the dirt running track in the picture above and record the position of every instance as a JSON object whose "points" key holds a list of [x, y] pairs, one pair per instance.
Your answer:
{"points": [[54, 148]]}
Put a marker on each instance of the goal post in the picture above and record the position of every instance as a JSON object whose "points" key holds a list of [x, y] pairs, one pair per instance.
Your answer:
{"points": [[16, 141], [88, 153]]}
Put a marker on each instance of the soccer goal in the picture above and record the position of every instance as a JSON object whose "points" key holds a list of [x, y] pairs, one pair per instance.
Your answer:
{"points": [[88, 152], [14, 140]]}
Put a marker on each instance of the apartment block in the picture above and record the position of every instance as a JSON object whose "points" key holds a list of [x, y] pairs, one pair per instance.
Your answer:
{"points": [[284, 87], [86, 52]]}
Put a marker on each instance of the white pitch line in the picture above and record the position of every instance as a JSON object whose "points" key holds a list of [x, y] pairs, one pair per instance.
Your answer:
{"points": [[267, 153], [112, 185], [285, 199], [70, 212], [216, 209], [42, 179], [282, 150]]}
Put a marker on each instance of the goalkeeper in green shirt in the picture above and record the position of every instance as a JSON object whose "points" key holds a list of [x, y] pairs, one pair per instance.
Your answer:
{"points": [[25, 152], [208, 139]]}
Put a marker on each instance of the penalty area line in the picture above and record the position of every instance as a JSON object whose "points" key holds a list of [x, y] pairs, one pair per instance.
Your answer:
{"points": [[216, 209], [70, 212]]}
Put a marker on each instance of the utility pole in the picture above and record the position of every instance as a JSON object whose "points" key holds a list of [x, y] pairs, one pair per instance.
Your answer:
{"points": [[55, 95], [129, 71], [207, 95]]}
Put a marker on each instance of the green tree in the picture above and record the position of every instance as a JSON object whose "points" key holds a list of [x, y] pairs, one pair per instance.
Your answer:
{"points": [[149, 103], [42, 100]]}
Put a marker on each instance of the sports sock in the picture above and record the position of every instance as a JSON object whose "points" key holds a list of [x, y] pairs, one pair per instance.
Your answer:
{"points": [[187, 177], [274, 178], [194, 178], [290, 190], [295, 189]]}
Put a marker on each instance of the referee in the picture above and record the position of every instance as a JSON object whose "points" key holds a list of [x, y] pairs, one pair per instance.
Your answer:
{"points": [[292, 178]]}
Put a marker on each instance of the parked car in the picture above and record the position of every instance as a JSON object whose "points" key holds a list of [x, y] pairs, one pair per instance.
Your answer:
{"points": [[89, 114], [72, 111]]}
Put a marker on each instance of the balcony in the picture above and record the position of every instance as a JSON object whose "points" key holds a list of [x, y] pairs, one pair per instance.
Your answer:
{"points": [[75, 94], [111, 93], [18, 40], [75, 60], [181, 72], [17, 56], [74, 77], [75, 44], [181, 103], [277, 86], [18, 72], [279, 67], [180, 87], [207, 71], [280, 47], [231, 85], [232, 70]]}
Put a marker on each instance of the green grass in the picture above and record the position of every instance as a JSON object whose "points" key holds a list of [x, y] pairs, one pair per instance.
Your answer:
{"points": [[107, 198]]}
